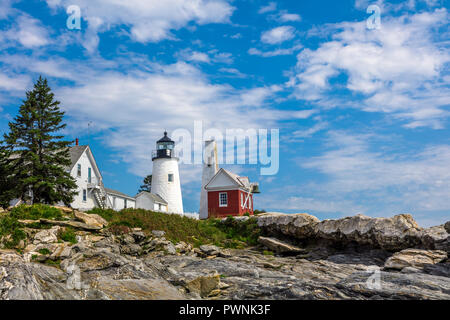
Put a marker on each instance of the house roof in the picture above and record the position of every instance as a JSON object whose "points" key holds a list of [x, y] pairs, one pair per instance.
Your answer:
{"points": [[241, 182], [117, 193], [155, 197], [75, 154]]}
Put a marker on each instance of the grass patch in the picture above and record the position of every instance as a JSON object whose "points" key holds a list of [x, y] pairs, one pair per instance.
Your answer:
{"points": [[44, 251], [68, 235], [11, 231], [36, 212], [231, 234]]}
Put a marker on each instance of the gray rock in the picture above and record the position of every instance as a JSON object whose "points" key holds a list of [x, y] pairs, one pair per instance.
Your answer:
{"points": [[138, 236], [90, 219], [280, 246], [396, 286], [73, 224], [447, 227], [47, 236], [416, 258], [131, 249], [394, 234], [158, 233], [170, 248], [209, 250]]}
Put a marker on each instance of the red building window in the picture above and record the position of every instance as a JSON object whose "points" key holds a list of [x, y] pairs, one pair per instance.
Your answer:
{"points": [[223, 199]]}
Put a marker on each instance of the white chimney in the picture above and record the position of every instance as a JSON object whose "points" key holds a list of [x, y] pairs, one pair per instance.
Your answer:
{"points": [[210, 168]]}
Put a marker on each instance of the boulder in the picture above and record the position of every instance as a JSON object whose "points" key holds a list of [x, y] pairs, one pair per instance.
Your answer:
{"points": [[183, 247], [90, 219], [415, 258], [47, 236], [64, 209], [138, 236], [396, 233], [210, 250], [158, 233], [300, 225], [170, 248], [203, 285], [73, 224], [447, 227], [432, 237], [279, 246]]}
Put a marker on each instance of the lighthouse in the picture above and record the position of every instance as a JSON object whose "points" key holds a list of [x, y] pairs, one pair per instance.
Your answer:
{"points": [[210, 168], [165, 175]]}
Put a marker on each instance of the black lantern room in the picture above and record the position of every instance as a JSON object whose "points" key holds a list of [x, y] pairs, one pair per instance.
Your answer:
{"points": [[164, 147]]}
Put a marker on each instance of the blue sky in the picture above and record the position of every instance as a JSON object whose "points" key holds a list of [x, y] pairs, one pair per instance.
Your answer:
{"points": [[363, 113]]}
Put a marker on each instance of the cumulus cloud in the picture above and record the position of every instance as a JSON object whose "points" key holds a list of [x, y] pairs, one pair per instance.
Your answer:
{"points": [[149, 21], [354, 167], [27, 31], [134, 108], [271, 6], [278, 35], [399, 69]]}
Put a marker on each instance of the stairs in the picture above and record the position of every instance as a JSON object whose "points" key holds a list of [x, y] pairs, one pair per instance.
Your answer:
{"points": [[101, 197]]}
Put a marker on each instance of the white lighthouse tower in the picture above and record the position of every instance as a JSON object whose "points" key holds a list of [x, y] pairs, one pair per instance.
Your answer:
{"points": [[165, 175], [210, 168]]}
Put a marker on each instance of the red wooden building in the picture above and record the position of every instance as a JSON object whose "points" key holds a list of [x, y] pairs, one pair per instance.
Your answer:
{"points": [[229, 194]]}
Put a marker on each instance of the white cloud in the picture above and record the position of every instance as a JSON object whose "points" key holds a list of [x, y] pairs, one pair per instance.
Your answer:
{"points": [[399, 69], [382, 180], [278, 35], [272, 6], [306, 133], [274, 53], [15, 84], [133, 109], [289, 17], [149, 21], [27, 31], [189, 55]]}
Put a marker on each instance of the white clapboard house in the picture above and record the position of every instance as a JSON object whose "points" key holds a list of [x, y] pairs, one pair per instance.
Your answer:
{"points": [[91, 191]]}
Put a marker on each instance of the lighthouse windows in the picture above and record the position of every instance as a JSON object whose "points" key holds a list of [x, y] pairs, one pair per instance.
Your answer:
{"points": [[170, 178], [223, 199]]}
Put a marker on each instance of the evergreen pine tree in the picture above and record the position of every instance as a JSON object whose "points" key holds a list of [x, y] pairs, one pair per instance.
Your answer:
{"points": [[147, 186], [7, 186], [41, 155]]}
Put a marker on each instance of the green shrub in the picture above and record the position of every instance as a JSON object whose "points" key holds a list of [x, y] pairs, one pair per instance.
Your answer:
{"points": [[68, 234], [181, 228], [10, 228], [257, 212], [36, 212], [44, 251]]}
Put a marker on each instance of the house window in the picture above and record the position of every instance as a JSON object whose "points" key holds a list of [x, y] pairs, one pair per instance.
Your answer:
{"points": [[170, 177], [223, 199], [125, 203], [242, 200], [89, 175], [79, 170], [84, 195]]}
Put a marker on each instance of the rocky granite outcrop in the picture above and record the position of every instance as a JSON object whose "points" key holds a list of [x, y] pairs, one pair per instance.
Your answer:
{"points": [[131, 264], [414, 258], [393, 234], [280, 246]]}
